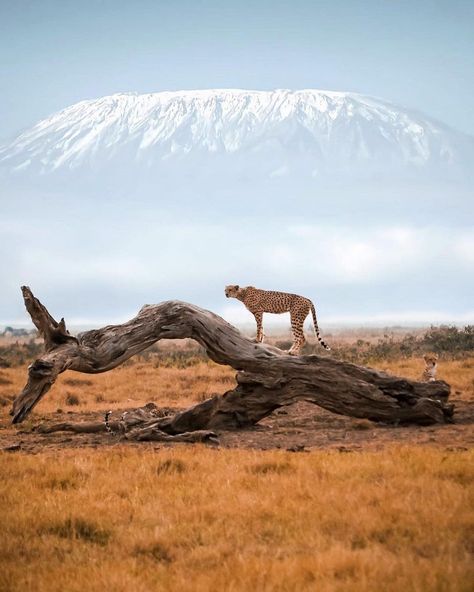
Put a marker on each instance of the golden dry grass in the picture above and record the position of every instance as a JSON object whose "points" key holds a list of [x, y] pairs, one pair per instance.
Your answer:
{"points": [[192, 518], [196, 519], [132, 384]]}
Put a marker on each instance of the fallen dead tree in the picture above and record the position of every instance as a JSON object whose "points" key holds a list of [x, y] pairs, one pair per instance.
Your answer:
{"points": [[267, 378]]}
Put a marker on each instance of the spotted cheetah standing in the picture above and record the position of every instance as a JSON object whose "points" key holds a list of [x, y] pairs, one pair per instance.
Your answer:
{"points": [[260, 301]]}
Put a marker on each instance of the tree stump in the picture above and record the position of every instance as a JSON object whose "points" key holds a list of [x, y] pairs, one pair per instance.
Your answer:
{"points": [[267, 377]]}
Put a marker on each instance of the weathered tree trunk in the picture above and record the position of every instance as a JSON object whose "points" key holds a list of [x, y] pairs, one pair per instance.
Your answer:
{"points": [[267, 377]]}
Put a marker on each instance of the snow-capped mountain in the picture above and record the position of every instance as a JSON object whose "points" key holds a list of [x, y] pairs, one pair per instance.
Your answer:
{"points": [[276, 132]]}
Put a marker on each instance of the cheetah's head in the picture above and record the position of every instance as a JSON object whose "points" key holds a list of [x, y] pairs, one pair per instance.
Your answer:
{"points": [[232, 291], [430, 359]]}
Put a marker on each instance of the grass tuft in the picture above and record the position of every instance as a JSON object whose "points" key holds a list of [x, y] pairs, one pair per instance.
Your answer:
{"points": [[171, 465], [362, 424], [5, 401], [272, 467], [78, 382], [72, 400], [78, 528], [156, 551]]}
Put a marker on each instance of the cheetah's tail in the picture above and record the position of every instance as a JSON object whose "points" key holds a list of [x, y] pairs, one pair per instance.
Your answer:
{"points": [[316, 328]]}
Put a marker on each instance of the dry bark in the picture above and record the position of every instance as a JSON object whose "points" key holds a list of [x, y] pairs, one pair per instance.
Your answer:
{"points": [[137, 424], [267, 377]]}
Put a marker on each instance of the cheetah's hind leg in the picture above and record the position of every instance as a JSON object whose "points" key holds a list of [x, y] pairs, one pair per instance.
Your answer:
{"points": [[298, 334]]}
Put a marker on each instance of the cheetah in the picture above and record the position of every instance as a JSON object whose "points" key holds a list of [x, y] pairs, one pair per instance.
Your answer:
{"points": [[259, 301], [429, 373]]}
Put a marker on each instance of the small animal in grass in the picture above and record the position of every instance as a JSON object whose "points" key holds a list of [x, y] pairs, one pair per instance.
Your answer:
{"points": [[259, 301], [431, 365]]}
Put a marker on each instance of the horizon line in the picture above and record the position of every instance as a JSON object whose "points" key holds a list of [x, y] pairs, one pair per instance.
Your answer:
{"points": [[373, 322]]}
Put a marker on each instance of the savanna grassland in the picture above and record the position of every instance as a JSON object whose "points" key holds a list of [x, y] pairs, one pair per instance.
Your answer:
{"points": [[193, 518], [304, 501]]}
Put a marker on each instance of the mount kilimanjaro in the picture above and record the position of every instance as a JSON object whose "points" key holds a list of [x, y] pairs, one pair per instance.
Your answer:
{"points": [[309, 133]]}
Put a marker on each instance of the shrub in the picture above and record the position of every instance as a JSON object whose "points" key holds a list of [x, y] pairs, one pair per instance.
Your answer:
{"points": [[72, 399], [449, 339], [17, 354]]}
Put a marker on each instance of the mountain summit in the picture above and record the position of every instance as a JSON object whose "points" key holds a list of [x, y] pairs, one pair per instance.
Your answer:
{"points": [[277, 132]]}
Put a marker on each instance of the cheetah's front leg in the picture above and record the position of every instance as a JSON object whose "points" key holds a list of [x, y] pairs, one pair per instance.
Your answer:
{"points": [[259, 318]]}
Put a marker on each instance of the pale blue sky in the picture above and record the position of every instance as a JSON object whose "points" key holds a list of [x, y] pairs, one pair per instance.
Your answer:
{"points": [[418, 53]]}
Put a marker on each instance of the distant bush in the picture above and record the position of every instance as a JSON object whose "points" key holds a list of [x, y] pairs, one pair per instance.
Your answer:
{"points": [[446, 340], [17, 354], [192, 355], [183, 359], [449, 339]]}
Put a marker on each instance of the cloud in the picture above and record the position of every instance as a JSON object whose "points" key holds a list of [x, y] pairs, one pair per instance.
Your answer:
{"points": [[351, 256], [464, 247], [106, 268]]}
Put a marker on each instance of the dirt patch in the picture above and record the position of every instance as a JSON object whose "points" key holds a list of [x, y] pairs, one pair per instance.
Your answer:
{"points": [[298, 428]]}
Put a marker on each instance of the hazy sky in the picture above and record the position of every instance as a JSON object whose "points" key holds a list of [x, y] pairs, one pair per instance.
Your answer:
{"points": [[418, 53]]}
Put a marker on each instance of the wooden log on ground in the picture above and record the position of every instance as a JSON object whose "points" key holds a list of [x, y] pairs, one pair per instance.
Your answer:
{"points": [[267, 377], [137, 424]]}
